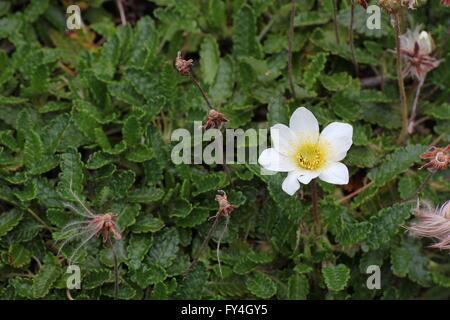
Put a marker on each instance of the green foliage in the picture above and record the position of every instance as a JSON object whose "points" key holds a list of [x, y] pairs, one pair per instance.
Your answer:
{"points": [[88, 115]]}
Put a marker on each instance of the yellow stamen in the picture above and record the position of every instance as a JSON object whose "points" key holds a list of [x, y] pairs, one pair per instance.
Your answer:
{"points": [[310, 156]]}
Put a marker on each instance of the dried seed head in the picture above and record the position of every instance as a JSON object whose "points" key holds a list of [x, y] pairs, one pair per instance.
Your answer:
{"points": [[183, 66], [417, 49], [438, 158], [215, 120], [104, 224], [225, 208], [432, 223]]}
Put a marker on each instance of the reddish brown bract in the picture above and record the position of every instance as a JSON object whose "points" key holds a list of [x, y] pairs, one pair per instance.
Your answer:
{"points": [[439, 158], [225, 208], [104, 224], [183, 66], [215, 120]]}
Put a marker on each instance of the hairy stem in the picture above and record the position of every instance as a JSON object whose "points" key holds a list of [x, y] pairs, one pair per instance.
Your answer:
{"points": [[354, 193], [290, 44], [123, 18], [401, 84], [412, 117], [201, 90], [220, 240], [419, 189], [116, 270], [335, 21], [351, 38], [205, 243]]}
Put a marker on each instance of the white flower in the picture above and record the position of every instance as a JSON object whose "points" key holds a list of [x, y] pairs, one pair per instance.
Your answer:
{"points": [[300, 150]]}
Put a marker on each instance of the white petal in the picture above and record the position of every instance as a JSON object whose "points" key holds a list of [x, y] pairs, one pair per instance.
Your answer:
{"points": [[308, 176], [272, 160], [290, 184], [304, 122], [283, 138], [335, 173], [337, 139]]}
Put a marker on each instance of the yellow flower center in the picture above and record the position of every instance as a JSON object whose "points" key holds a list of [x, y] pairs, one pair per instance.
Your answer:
{"points": [[310, 156]]}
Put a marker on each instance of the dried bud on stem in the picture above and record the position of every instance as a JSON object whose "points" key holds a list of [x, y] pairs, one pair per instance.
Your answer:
{"points": [[183, 66], [439, 158], [215, 120], [225, 208]]}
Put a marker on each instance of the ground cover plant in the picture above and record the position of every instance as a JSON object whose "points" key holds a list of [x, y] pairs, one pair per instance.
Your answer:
{"points": [[89, 185]]}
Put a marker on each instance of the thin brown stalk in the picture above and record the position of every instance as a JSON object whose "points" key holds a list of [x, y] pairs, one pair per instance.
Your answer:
{"points": [[412, 117], [335, 21], [351, 36], [116, 270], [401, 84], [419, 189], [354, 193], [123, 18], [290, 44], [204, 244], [197, 84]]}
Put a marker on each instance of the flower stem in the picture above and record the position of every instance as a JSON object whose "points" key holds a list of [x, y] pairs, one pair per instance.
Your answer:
{"points": [[315, 207], [412, 117], [201, 90], [335, 21], [419, 189], [351, 38], [290, 44], [123, 18], [116, 270], [401, 84]]}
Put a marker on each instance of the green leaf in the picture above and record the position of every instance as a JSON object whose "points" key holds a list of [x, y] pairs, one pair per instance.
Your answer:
{"points": [[336, 277], [261, 286], [314, 69], [400, 260], [160, 292], [386, 223], [44, 279], [193, 285], [244, 35], [148, 274], [165, 247], [209, 59], [222, 89], [147, 224], [396, 163], [298, 287], [71, 177], [336, 81], [18, 256], [138, 246], [145, 195], [8, 220]]}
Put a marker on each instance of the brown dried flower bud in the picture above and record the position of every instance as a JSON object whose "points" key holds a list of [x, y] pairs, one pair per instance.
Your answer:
{"points": [[215, 120], [183, 66], [432, 223], [225, 208], [439, 158]]}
